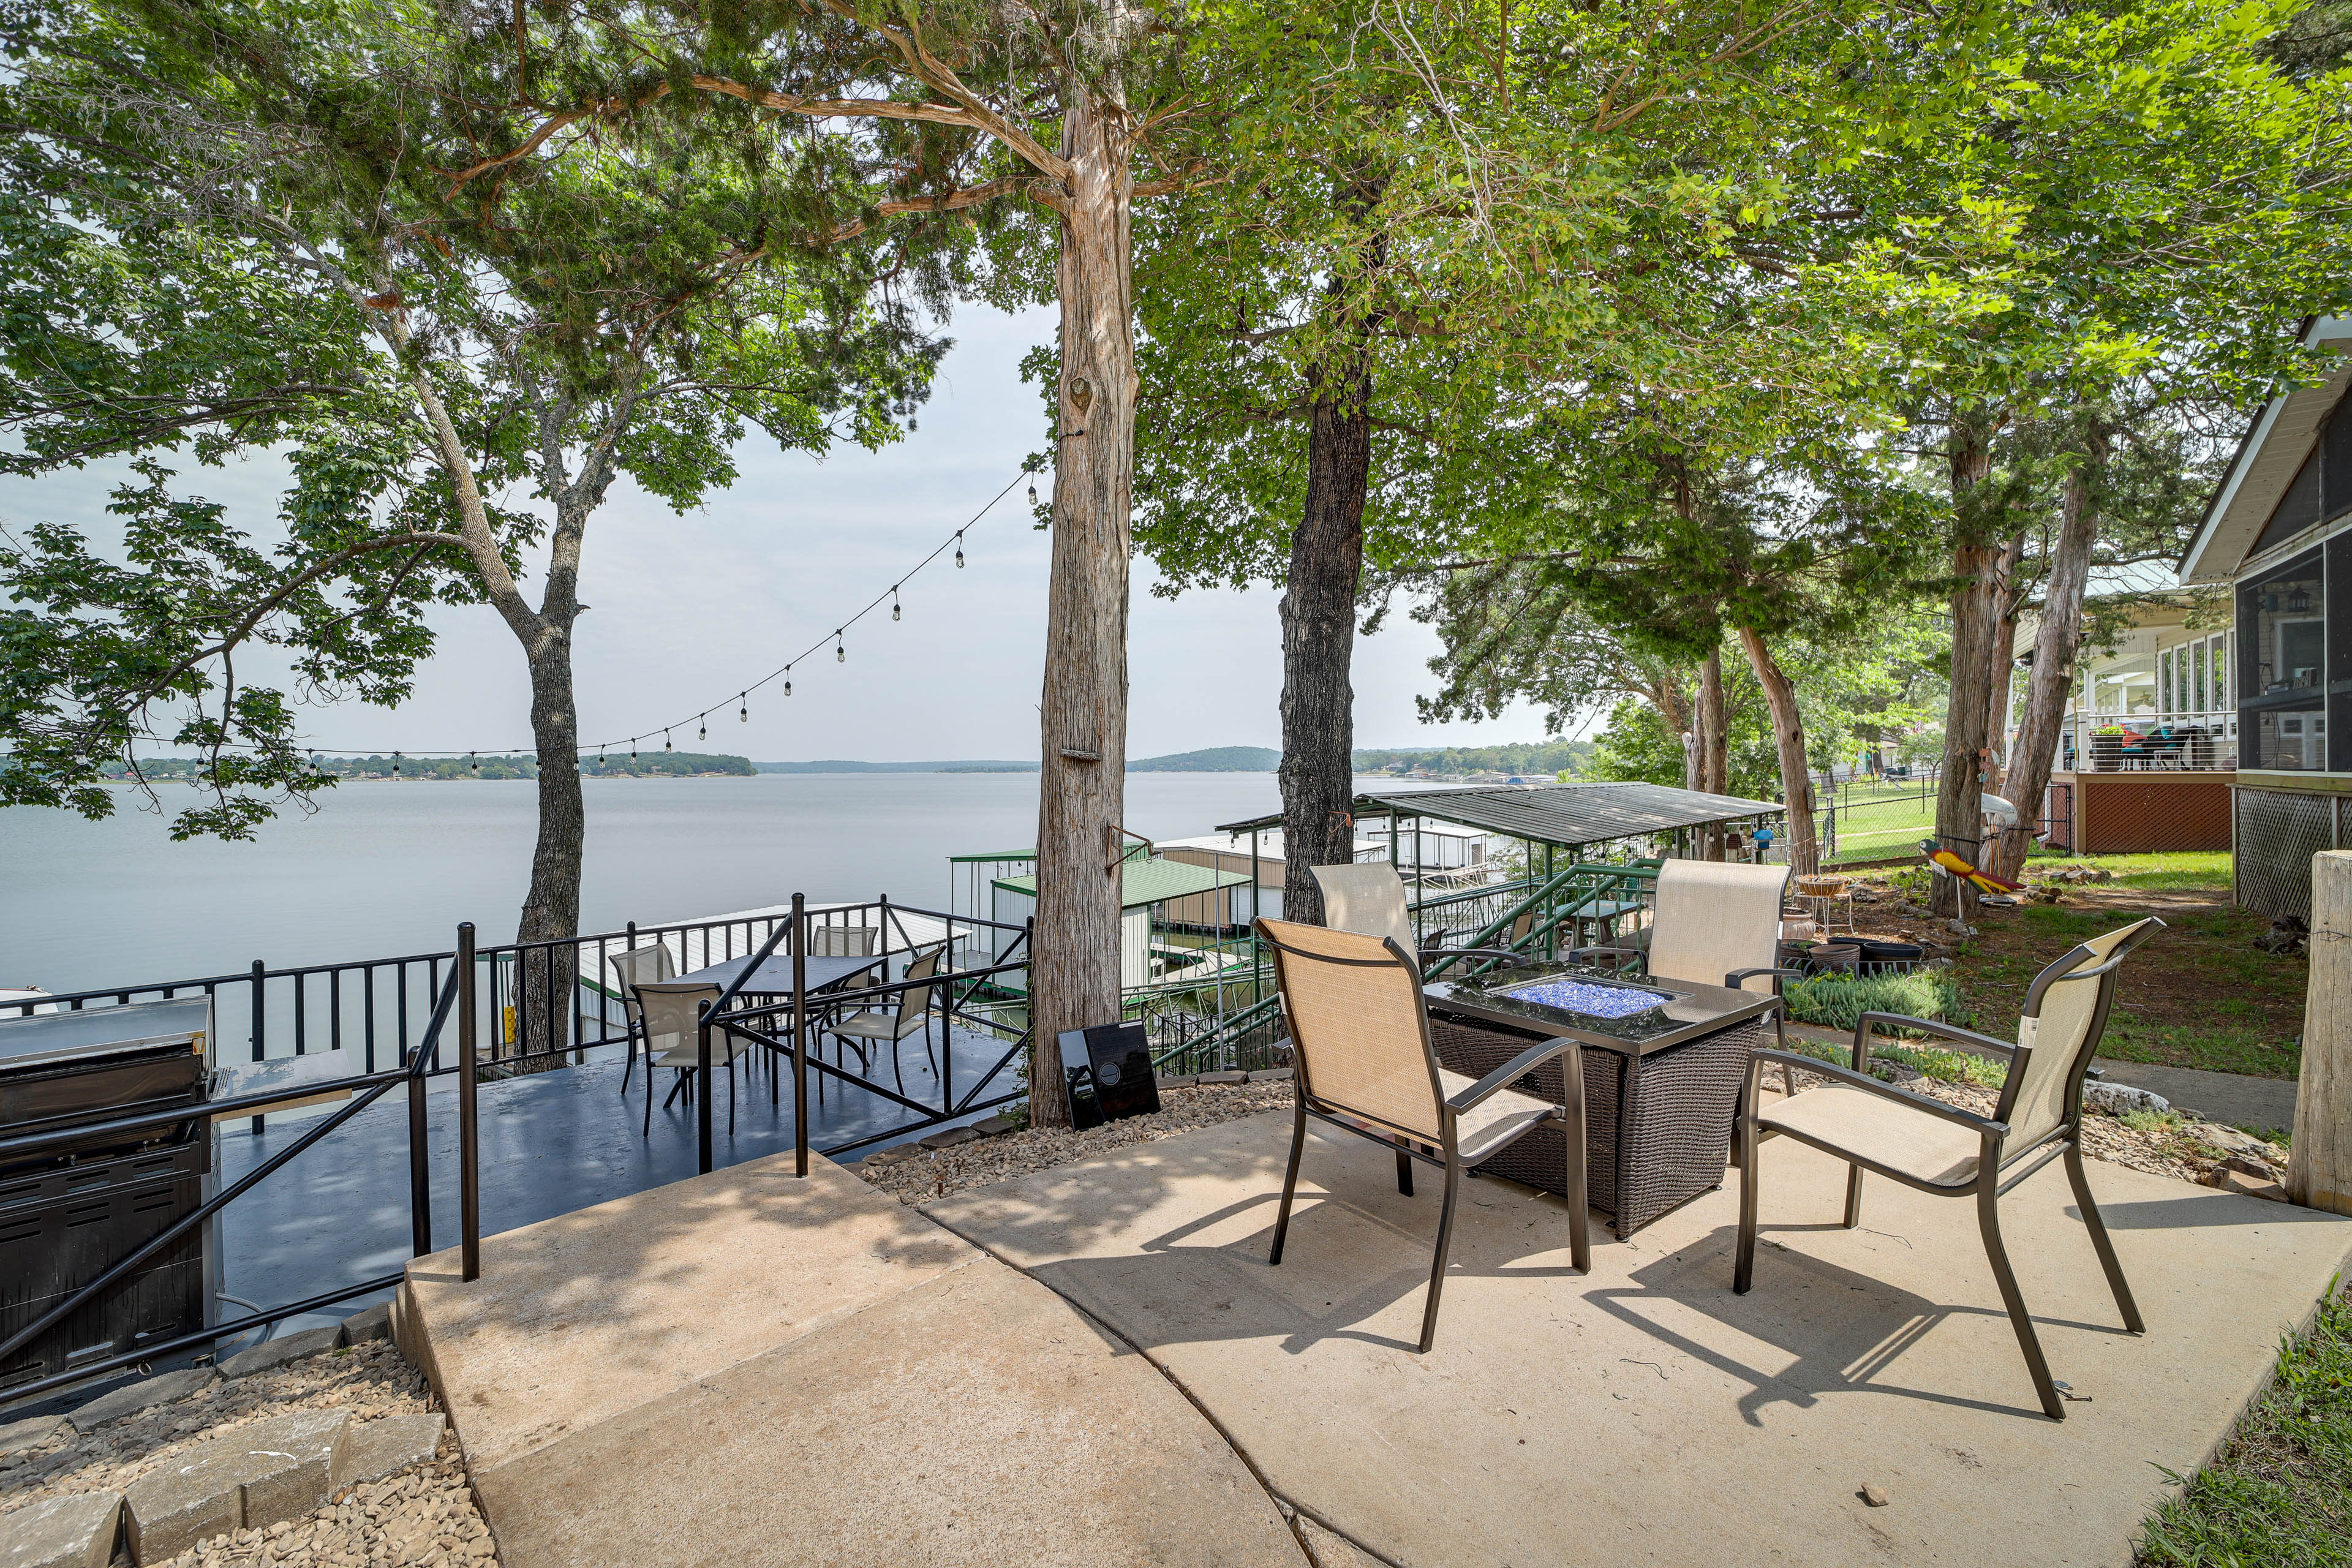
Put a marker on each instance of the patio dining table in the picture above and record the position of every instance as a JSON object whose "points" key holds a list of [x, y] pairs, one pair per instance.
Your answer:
{"points": [[774, 977], [1664, 1062]]}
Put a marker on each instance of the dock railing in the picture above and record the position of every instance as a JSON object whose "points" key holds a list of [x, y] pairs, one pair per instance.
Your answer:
{"points": [[367, 1008]]}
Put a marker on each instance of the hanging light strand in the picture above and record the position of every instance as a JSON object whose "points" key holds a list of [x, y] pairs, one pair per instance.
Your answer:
{"points": [[700, 719]]}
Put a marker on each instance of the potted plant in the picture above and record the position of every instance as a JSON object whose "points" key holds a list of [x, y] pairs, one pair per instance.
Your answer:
{"points": [[2106, 748]]}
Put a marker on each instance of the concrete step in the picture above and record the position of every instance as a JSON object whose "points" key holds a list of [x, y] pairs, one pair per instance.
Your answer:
{"points": [[751, 1367]]}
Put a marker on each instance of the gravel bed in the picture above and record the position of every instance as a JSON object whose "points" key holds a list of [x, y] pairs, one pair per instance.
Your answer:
{"points": [[424, 1515], [2188, 1152], [934, 1173]]}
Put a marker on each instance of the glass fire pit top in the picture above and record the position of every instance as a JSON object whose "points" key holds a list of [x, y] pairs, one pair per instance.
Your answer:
{"points": [[1582, 996]]}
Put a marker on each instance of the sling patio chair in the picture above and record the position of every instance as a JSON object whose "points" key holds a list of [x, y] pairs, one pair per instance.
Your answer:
{"points": [[1360, 1047], [909, 1014], [1718, 923], [672, 1016], [1942, 1150], [638, 966], [1368, 897]]}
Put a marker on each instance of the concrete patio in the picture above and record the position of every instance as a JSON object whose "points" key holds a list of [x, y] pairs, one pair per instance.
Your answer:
{"points": [[1646, 1413], [1093, 1364]]}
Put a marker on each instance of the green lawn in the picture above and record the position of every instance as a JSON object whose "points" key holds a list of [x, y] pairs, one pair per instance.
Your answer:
{"points": [[2200, 995], [2280, 1491], [1878, 824]]}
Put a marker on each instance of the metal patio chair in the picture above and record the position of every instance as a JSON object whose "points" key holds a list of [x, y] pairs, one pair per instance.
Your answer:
{"points": [[673, 1014], [1940, 1149], [891, 1025], [638, 966], [1716, 922], [1366, 896], [1360, 1047]]}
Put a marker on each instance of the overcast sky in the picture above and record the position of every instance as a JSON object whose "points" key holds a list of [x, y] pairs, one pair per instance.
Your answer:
{"points": [[686, 610]]}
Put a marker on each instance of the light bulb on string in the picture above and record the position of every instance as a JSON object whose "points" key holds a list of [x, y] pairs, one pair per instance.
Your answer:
{"points": [[840, 654], [743, 714], [632, 751], [395, 765], [788, 681], [894, 601], [959, 548], [1032, 492], [702, 728], [665, 740], [476, 758]]}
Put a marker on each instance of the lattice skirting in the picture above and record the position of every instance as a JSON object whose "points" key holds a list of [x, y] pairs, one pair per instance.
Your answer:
{"points": [[1657, 1130], [2278, 831]]}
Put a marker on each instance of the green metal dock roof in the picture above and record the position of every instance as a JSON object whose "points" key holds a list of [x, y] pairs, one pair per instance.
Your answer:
{"points": [[1567, 814], [1148, 882]]}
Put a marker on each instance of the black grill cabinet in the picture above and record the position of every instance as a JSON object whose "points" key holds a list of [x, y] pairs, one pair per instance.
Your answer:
{"points": [[69, 1213]]}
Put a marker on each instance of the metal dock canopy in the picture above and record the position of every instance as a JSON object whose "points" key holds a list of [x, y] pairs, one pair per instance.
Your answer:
{"points": [[1568, 814]]}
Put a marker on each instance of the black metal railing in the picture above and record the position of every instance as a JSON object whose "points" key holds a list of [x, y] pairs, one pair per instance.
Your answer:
{"points": [[544, 1008]]}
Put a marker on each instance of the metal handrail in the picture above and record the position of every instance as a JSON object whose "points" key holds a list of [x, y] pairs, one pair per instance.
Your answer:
{"points": [[124, 1267]]}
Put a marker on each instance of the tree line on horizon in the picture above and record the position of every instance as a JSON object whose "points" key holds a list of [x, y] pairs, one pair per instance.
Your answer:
{"points": [[1742, 368]]}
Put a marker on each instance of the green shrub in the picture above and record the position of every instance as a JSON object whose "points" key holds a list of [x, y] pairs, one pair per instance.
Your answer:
{"points": [[1838, 1001]]}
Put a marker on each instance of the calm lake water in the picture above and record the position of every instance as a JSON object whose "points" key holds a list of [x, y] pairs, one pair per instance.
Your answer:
{"points": [[386, 867]]}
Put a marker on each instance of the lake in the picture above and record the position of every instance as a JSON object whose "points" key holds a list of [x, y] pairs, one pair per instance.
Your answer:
{"points": [[387, 867]]}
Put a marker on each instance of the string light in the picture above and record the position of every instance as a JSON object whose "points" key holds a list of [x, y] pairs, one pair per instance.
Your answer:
{"points": [[395, 765], [840, 650], [475, 759]]}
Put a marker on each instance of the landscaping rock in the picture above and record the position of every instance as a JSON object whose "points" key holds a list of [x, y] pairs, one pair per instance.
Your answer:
{"points": [[1186, 1081], [1874, 1494], [1268, 1075], [258, 1474], [2229, 1180], [949, 1137], [375, 1324], [375, 1449], [133, 1397], [75, 1531], [276, 1353], [2122, 1099], [995, 1126], [882, 1157], [1223, 1077], [18, 1435]]}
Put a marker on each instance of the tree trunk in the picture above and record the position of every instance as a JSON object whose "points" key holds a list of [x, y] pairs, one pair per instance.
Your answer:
{"points": [[2008, 571], [1788, 735], [1975, 562], [1714, 744], [2055, 640], [1074, 948], [1318, 634]]}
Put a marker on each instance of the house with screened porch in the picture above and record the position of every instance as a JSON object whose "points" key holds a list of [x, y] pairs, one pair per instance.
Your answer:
{"points": [[2278, 533]]}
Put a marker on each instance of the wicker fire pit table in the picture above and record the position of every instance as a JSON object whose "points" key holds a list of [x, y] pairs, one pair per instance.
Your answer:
{"points": [[1664, 1061]]}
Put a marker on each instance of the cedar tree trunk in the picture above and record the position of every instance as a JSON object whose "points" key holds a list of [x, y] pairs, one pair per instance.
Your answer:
{"points": [[1714, 744], [1318, 634], [1975, 618], [2055, 640], [1788, 735], [1073, 946]]}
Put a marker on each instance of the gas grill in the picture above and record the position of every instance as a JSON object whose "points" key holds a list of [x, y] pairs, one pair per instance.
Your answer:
{"points": [[71, 1211]]}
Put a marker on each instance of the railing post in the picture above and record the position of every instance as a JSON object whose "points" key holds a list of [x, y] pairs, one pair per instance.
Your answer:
{"points": [[260, 1021], [800, 1035], [420, 1167], [469, 1176], [702, 1086]]}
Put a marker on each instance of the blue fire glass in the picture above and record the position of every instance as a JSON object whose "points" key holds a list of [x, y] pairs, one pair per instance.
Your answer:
{"points": [[1581, 997]]}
